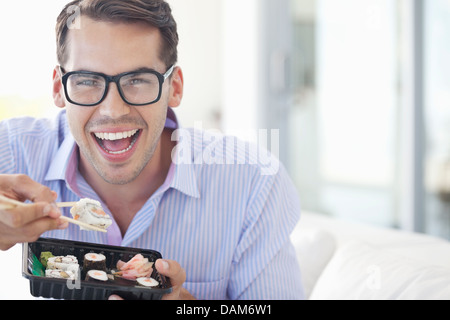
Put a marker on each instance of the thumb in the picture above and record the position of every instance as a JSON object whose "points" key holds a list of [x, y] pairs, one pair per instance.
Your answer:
{"points": [[172, 270]]}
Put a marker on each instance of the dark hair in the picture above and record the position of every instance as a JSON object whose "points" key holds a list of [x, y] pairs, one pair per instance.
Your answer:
{"points": [[156, 13]]}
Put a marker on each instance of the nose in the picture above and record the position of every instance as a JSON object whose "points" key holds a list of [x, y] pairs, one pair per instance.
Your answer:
{"points": [[113, 106]]}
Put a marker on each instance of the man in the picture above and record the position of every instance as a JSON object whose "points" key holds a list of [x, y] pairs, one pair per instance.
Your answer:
{"points": [[223, 227]]}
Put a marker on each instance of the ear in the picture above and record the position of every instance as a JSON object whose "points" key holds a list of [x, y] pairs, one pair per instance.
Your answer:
{"points": [[176, 88], [58, 89]]}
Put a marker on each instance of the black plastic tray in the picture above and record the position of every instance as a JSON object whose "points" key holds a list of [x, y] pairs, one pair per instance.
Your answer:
{"points": [[89, 290]]}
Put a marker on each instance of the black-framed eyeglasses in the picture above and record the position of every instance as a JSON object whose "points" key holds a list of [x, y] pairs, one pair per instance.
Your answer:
{"points": [[137, 88]]}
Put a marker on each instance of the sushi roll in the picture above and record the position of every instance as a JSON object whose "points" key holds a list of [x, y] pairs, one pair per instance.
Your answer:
{"points": [[60, 274], [74, 268], [147, 282], [96, 261], [61, 262], [91, 212], [96, 275]]}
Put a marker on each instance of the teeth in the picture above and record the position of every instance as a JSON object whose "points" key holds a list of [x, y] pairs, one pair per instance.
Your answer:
{"points": [[120, 152], [115, 136]]}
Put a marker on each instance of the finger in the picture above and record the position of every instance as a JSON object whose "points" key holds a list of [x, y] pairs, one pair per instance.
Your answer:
{"points": [[43, 225], [25, 214], [29, 233], [26, 188], [177, 275], [114, 297], [172, 270], [21, 187], [35, 229]]}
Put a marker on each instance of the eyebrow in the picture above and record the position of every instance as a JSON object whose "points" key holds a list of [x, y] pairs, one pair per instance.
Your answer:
{"points": [[142, 69], [138, 70]]}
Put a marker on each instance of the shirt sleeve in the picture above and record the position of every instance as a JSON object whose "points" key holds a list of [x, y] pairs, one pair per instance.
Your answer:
{"points": [[7, 163], [279, 280], [265, 264]]}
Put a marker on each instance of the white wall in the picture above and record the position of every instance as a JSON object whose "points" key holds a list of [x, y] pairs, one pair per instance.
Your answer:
{"points": [[218, 52], [200, 55]]}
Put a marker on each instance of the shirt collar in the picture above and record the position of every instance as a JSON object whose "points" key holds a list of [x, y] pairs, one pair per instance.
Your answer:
{"points": [[64, 166], [60, 163]]}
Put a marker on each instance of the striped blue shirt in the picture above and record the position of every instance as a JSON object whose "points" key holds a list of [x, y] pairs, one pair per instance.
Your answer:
{"points": [[227, 222]]}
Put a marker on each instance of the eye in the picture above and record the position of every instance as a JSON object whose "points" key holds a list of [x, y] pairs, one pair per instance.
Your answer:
{"points": [[86, 81], [139, 79]]}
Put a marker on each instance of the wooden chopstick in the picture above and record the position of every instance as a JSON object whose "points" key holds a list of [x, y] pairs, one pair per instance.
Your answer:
{"points": [[5, 206], [9, 204], [82, 224], [66, 204]]}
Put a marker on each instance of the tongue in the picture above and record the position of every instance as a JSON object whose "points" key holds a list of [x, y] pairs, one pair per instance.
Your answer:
{"points": [[117, 145]]}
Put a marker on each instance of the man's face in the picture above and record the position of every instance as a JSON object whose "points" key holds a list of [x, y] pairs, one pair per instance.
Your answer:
{"points": [[132, 132]]}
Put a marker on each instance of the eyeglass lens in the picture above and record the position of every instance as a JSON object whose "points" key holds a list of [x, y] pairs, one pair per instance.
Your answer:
{"points": [[136, 88]]}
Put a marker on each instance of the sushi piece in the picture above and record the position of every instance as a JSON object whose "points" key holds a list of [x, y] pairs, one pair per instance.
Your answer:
{"points": [[137, 267], [96, 275], [94, 261], [60, 274], [91, 212], [61, 262], [147, 282], [74, 268]]}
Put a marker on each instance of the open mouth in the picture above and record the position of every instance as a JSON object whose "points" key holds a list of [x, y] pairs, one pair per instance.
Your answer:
{"points": [[118, 142]]}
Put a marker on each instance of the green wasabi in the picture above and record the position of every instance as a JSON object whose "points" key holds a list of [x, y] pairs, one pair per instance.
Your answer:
{"points": [[44, 258]]}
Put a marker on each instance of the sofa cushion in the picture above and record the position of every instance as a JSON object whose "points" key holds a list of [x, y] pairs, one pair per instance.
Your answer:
{"points": [[362, 271], [314, 249]]}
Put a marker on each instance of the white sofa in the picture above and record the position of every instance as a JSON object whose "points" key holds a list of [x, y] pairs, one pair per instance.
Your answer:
{"points": [[352, 261], [338, 260]]}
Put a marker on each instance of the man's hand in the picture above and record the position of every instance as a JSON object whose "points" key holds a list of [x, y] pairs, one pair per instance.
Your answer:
{"points": [[26, 223], [172, 270]]}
